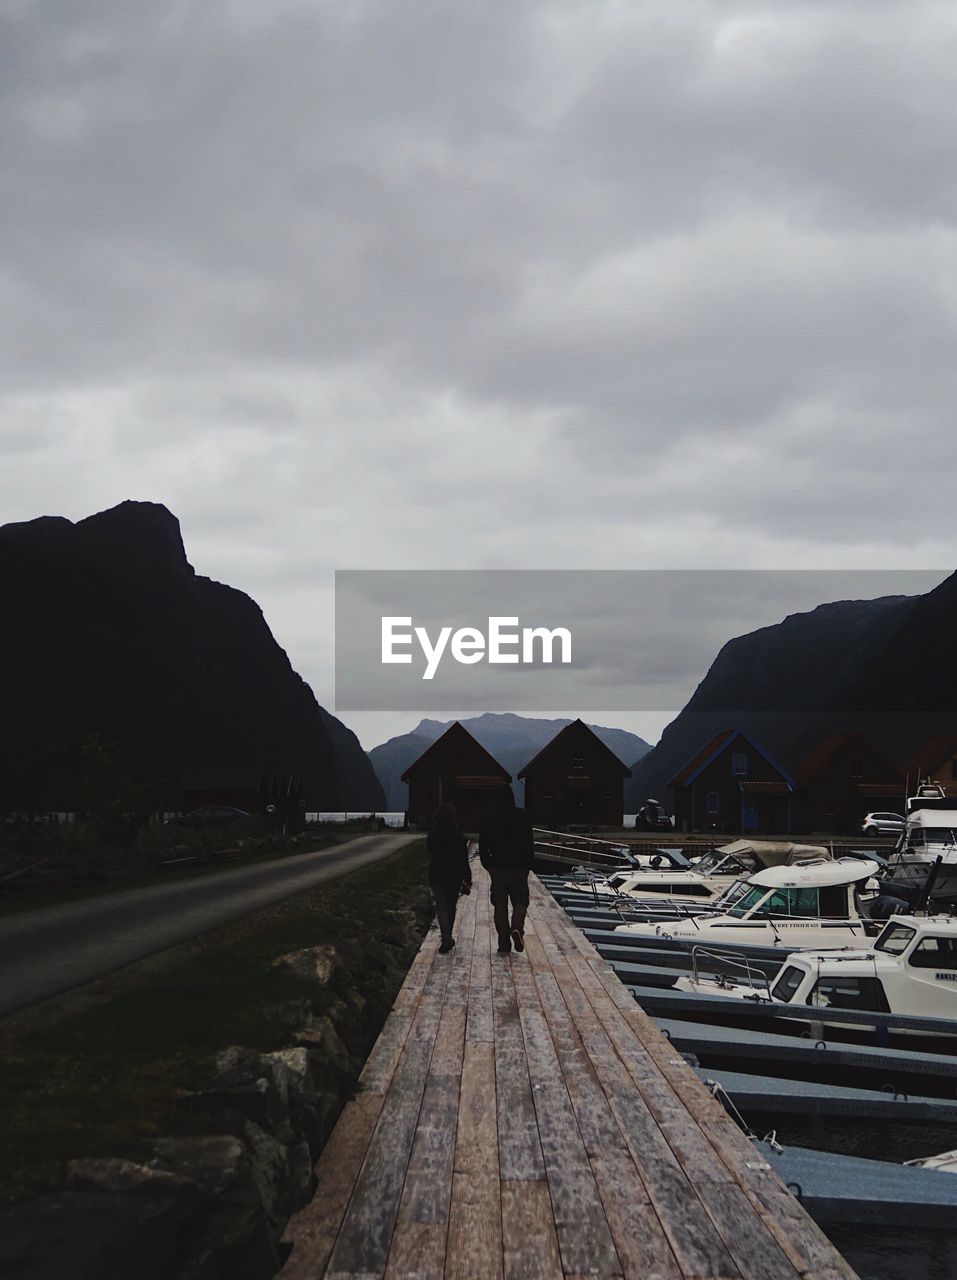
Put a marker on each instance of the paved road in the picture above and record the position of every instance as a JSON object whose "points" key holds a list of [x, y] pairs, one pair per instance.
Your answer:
{"points": [[55, 949]]}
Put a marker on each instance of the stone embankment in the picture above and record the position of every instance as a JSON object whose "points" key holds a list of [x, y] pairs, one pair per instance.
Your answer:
{"points": [[211, 1202]]}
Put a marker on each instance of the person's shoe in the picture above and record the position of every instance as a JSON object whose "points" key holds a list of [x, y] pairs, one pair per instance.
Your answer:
{"points": [[504, 951], [518, 939], [446, 947]]}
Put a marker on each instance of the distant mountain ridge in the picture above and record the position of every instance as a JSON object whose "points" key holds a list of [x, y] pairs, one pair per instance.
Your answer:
{"points": [[512, 739], [109, 631], [883, 667]]}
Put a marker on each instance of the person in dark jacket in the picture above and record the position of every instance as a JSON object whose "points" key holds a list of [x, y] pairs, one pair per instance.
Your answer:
{"points": [[449, 870], [506, 851]]}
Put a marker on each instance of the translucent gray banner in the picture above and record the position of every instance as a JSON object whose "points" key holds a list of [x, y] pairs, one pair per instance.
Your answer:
{"points": [[532, 640]]}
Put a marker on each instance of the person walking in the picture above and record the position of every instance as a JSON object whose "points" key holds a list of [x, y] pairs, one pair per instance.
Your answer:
{"points": [[506, 851], [449, 870]]}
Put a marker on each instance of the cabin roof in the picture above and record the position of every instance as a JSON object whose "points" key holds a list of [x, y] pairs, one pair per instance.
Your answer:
{"points": [[824, 752], [572, 730], [457, 730], [931, 753], [712, 749]]}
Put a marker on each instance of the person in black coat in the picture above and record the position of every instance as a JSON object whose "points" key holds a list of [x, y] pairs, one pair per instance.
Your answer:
{"points": [[507, 851], [449, 870]]}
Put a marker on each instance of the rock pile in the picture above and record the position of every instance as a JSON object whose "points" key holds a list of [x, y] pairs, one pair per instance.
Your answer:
{"points": [[211, 1205]]}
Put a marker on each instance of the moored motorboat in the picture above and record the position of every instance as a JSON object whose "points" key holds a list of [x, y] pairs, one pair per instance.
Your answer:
{"points": [[910, 969], [928, 845], [818, 905], [669, 875]]}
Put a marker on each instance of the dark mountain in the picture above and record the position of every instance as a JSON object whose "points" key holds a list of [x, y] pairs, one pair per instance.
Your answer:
{"points": [[390, 761], [108, 632], [911, 682], [786, 685], [512, 739]]}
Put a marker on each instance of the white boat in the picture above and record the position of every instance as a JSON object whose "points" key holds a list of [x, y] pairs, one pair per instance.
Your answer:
{"points": [[910, 969], [946, 1162], [930, 832], [670, 875], [816, 905]]}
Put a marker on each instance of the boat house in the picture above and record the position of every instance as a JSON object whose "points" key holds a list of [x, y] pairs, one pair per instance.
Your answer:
{"points": [[842, 779], [575, 780], [936, 761], [733, 784], [455, 769]]}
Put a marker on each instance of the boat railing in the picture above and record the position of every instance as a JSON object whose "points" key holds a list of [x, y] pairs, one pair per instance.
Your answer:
{"points": [[740, 966], [610, 855], [631, 910]]}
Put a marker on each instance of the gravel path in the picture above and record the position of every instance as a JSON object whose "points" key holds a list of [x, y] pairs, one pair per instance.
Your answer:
{"points": [[55, 949]]}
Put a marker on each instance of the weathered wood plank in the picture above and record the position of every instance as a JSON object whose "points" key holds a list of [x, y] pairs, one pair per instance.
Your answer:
{"points": [[479, 1025], [475, 1231], [757, 1257], [692, 1235], [529, 1243], [411, 988], [366, 1234], [313, 1229], [476, 1144], [428, 1179], [641, 1243], [475, 1225], [418, 1251], [799, 1237], [519, 1144], [421, 1234], [584, 1238], [449, 1043], [377, 1074]]}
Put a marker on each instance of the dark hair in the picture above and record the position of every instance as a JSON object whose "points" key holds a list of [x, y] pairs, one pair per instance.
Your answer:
{"points": [[444, 816]]}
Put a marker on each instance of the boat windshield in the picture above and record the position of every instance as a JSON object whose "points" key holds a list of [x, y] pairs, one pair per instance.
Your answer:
{"points": [[805, 904], [932, 838], [895, 939], [787, 984], [617, 881], [730, 895], [723, 864]]}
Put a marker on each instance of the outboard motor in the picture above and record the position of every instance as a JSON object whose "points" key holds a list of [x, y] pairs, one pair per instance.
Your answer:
{"points": [[886, 905]]}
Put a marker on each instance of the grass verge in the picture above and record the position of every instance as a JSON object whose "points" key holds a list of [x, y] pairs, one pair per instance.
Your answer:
{"points": [[98, 1072]]}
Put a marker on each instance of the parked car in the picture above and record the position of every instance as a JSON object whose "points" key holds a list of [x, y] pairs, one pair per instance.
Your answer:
{"points": [[211, 815], [652, 817], [883, 824]]}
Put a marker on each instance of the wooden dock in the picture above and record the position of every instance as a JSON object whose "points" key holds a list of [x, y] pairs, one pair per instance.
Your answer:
{"points": [[520, 1117]]}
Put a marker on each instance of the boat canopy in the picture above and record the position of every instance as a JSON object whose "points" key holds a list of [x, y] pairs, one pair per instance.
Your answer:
{"points": [[926, 818], [816, 874], [777, 853]]}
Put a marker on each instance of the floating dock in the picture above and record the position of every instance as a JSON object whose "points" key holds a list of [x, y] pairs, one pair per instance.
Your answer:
{"points": [[521, 1118]]}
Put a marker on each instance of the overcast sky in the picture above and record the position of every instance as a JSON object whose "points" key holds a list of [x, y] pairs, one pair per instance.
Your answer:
{"points": [[545, 285]]}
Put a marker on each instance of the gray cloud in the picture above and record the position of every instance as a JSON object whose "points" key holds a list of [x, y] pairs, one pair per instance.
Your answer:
{"points": [[403, 285]]}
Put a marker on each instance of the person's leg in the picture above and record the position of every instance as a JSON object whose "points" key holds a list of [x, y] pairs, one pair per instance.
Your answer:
{"points": [[499, 897], [518, 892], [443, 914]]}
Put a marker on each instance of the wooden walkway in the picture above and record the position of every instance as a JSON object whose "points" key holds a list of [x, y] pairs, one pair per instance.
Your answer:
{"points": [[520, 1117]]}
